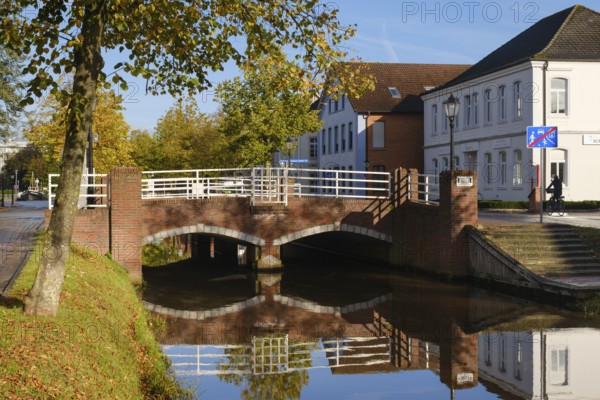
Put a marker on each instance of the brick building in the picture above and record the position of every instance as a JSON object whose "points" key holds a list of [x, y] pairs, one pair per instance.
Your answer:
{"points": [[383, 129]]}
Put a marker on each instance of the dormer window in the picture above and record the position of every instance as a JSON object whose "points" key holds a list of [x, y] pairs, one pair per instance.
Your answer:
{"points": [[394, 92]]}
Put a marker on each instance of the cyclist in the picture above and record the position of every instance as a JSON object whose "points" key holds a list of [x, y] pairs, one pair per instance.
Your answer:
{"points": [[556, 190]]}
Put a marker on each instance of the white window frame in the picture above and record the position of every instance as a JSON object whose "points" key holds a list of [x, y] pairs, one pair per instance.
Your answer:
{"points": [[502, 103], [558, 159], [502, 167], [468, 111], [488, 110], [434, 119], [518, 101], [489, 166], [559, 94], [475, 102], [517, 170]]}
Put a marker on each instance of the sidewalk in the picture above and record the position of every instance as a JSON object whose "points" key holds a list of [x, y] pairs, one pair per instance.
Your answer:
{"points": [[590, 219], [18, 224]]}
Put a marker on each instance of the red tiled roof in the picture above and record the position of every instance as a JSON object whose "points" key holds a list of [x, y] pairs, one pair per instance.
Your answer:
{"points": [[411, 80]]}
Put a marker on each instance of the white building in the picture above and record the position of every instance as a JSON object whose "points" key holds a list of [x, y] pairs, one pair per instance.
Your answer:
{"points": [[554, 364], [549, 75], [8, 148]]}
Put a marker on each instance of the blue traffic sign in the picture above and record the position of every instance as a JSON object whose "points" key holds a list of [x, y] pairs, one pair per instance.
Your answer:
{"points": [[542, 136]]}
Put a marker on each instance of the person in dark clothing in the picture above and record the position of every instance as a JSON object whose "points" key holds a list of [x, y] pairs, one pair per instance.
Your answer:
{"points": [[555, 188]]}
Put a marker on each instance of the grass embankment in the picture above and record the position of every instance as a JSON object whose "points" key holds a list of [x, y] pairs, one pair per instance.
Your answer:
{"points": [[98, 347]]}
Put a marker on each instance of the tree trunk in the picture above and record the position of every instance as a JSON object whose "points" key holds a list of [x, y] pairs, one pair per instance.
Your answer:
{"points": [[43, 299]]}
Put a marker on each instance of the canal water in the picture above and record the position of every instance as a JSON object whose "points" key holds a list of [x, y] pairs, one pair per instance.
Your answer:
{"points": [[360, 331]]}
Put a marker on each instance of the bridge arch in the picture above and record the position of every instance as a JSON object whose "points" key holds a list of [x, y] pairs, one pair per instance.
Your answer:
{"points": [[201, 228], [336, 227]]}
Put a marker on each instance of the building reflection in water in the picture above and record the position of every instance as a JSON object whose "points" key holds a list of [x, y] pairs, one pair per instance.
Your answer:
{"points": [[547, 364], [268, 347]]}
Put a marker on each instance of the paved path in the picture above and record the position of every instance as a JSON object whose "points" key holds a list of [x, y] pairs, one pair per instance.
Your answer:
{"points": [[17, 226], [585, 219]]}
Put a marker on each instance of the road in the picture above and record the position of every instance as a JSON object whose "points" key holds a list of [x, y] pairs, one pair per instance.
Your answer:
{"points": [[585, 219], [18, 224]]}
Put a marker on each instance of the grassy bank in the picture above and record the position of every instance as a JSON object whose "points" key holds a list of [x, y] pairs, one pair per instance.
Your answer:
{"points": [[98, 347]]}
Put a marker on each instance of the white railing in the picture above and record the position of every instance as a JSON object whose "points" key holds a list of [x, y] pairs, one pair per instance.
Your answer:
{"points": [[424, 188], [93, 186], [274, 355], [263, 185], [266, 185]]}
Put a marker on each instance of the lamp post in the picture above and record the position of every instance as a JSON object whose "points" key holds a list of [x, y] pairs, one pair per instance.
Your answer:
{"points": [[451, 107], [12, 191], [289, 147]]}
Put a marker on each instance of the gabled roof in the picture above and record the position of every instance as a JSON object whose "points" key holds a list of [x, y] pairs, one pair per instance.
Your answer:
{"points": [[411, 80], [572, 34]]}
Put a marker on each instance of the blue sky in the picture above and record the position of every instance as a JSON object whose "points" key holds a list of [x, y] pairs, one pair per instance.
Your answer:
{"points": [[460, 32]]}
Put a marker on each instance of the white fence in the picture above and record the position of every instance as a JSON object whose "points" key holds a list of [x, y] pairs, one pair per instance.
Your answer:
{"points": [[93, 192], [266, 185], [275, 355], [424, 188], [262, 185]]}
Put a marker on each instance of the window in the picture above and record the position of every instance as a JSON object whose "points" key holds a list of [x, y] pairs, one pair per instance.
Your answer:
{"points": [[336, 139], [518, 168], [488, 349], [329, 106], [445, 164], [558, 162], [445, 124], [343, 137], [343, 100], [468, 111], [518, 101], [502, 165], [434, 119], [502, 103], [558, 96], [323, 142], [475, 101], [502, 353], [350, 136], [394, 92], [378, 135], [329, 146], [313, 148], [518, 358], [489, 168], [487, 99], [436, 170], [456, 162], [336, 103], [559, 366]]}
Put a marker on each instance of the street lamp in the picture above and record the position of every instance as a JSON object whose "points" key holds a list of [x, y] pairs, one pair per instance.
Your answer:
{"points": [[2, 187], [451, 107], [289, 147], [12, 192]]}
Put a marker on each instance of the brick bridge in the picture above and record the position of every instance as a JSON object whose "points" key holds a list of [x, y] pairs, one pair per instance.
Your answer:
{"points": [[420, 233]]}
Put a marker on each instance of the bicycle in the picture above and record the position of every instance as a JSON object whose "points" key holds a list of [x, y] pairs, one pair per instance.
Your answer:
{"points": [[556, 206]]}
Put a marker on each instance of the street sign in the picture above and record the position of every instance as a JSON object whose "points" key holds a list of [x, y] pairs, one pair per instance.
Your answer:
{"points": [[542, 136]]}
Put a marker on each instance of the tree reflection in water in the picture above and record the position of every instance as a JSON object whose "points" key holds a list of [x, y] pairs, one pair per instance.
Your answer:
{"points": [[270, 369]]}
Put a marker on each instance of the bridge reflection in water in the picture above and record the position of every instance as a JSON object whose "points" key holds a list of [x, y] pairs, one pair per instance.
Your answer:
{"points": [[305, 324]]}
